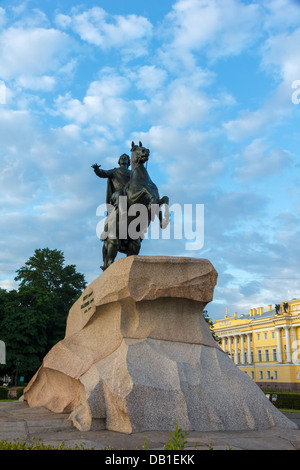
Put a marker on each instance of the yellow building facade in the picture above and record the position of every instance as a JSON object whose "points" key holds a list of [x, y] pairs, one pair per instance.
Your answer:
{"points": [[265, 344]]}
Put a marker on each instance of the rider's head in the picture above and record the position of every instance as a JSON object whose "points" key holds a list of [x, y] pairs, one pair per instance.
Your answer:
{"points": [[124, 160]]}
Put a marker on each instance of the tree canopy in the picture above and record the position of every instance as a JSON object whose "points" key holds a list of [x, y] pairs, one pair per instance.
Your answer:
{"points": [[33, 318]]}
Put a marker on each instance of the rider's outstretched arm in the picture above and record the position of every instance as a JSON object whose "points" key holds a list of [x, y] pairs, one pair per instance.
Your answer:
{"points": [[102, 173]]}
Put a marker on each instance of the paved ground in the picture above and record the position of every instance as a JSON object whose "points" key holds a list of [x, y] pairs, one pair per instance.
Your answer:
{"points": [[18, 421]]}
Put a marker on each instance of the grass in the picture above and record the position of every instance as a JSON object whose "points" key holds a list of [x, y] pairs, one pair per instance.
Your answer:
{"points": [[176, 441], [23, 444]]}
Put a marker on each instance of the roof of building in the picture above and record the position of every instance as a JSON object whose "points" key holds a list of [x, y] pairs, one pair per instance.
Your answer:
{"points": [[255, 316]]}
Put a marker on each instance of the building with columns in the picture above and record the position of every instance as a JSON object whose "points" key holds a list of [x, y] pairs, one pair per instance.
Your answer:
{"points": [[265, 344]]}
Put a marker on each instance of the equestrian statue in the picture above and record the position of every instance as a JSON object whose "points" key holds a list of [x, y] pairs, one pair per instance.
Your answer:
{"points": [[128, 193]]}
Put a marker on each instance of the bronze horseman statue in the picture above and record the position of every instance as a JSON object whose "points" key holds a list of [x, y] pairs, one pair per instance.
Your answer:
{"points": [[129, 192]]}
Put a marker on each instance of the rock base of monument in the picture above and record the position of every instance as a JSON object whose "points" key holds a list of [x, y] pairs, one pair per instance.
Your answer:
{"points": [[138, 355]]}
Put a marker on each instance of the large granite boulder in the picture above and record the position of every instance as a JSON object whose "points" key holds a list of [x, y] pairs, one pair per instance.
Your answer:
{"points": [[138, 355]]}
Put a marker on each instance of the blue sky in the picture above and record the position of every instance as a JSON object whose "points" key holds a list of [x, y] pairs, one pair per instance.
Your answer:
{"points": [[206, 85]]}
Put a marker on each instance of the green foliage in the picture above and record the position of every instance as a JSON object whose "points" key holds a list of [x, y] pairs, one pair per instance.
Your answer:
{"points": [[33, 318], [11, 393], [23, 444], [177, 439], [286, 400], [211, 326]]}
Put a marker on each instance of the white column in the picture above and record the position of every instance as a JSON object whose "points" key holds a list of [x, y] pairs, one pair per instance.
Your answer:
{"points": [[294, 342], [229, 346], [288, 345], [236, 357], [224, 343], [279, 353], [249, 347], [242, 350]]}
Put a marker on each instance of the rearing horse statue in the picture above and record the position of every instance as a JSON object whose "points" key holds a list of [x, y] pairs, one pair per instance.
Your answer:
{"points": [[139, 193], [141, 189]]}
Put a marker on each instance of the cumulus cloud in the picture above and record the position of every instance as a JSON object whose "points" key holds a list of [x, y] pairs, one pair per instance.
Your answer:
{"points": [[280, 61], [103, 108], [258, 161], [217, 27], [107, 31], [281, 14], [28, 56], [149, 78], [281, 54]]}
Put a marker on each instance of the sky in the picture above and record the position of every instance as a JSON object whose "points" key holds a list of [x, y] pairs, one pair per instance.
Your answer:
{"points": [[211, 87]]}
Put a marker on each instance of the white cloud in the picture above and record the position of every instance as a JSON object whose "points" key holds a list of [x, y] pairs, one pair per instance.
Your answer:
{"points": [[281, 54], [258, 161], [217, 27], [2, 17], [107, 31], [258, 123], [8, 284], [280, 60], [150, 78], [28, 56], [103, 105], [281, 14]]}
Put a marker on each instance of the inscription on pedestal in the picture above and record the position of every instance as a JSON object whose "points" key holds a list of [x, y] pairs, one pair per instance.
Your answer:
{"points": [[87, 300]]}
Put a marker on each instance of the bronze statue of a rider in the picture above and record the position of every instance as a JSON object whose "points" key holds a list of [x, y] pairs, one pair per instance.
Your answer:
{"points": [[127, 190], [117, 179]]}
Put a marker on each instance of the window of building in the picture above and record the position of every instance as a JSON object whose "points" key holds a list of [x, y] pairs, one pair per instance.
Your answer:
{"points": [[252, 375], [274, 354], [268, 374], [275, 374], [259, 356], [261, 376], [273, 334], [258, 336], [265, 335], [267, 358]]}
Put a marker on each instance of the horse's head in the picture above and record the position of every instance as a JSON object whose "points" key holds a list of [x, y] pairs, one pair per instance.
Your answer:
{"points": [[139, 154]]}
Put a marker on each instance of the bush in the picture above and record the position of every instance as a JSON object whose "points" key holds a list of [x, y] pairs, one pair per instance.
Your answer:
{"points": [[11, 393], [286, 400]]}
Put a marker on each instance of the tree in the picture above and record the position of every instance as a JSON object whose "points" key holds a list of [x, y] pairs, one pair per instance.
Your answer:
{"points": [[52, 289], [211, 326], [23, 331], [33, 318]]}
